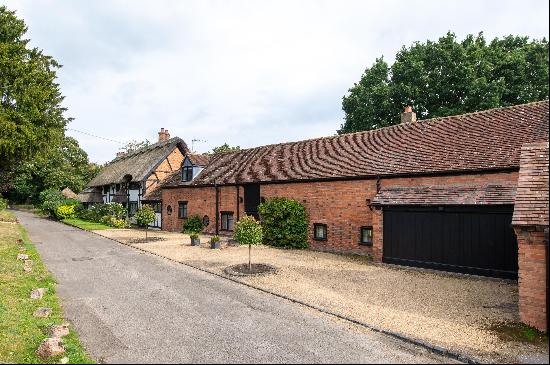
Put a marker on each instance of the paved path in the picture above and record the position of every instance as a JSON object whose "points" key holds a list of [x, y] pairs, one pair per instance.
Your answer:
{"points": [[130, 306]]}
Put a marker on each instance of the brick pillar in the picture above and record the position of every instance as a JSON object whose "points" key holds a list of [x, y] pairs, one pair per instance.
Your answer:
{"points": [[532, 275], [377, 234]]}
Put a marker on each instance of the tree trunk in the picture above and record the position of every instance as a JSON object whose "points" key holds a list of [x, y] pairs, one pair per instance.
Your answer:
{"points": [[249, 259], [146, 229]]}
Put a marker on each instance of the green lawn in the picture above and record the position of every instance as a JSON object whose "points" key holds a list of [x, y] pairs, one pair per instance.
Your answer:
{"points": [[6, 216], [87, 225], [20, 332]]}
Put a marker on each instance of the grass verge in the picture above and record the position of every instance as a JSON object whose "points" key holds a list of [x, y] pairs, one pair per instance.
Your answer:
{"points": [[20, 332], [87, 225], [6, 216]]}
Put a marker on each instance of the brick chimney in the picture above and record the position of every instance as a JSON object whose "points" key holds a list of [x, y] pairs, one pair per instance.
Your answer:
{"points": [[164, 135], [408, 116]]}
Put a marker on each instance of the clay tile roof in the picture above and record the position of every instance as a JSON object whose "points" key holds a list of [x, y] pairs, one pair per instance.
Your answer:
{"points": [[199, 159], [484, 140], [489, 194], [532, 196], [138, 164]]}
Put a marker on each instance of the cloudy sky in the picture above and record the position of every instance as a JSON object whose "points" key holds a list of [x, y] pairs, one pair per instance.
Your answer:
{"points": [[244, 72]]}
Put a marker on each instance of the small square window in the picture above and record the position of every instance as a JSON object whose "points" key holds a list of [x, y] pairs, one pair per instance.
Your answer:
{"points": [[320, 232], [366, 236], [227, 221], [182, 210]]}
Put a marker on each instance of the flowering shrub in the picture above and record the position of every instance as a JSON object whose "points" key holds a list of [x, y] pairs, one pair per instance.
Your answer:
{"points": [[65, 211]]}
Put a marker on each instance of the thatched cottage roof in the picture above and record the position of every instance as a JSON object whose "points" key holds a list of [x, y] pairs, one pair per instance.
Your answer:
{"points": [[90, 195], [137, 165], [68, 193]]}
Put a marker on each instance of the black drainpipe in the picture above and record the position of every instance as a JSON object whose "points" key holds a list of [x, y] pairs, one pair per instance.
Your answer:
{"points": [[217, 207], [238, 201]]}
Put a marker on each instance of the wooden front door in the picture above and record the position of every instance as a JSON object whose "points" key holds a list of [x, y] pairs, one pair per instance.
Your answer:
{"points": [[251, 199]]}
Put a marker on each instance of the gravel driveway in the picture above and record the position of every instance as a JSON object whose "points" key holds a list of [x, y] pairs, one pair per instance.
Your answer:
{"points": [[132, 307], [453, 311]]}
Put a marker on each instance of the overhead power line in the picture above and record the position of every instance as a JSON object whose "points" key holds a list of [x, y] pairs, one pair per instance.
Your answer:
{"points": [[93, 135]]}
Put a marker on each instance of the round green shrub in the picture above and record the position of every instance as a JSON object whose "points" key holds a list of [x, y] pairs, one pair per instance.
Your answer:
{"points": [[248, 231], [50, 199], [145, 215], [193, 224], [3, 204], [284, 223]]}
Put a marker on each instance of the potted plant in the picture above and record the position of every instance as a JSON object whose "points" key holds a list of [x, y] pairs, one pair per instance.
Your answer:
{"points": [[215, 242], [195, 240], [193, 226]]}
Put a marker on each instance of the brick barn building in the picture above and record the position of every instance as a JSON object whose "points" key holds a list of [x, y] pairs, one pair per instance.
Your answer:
{"points": [[437, 193]]}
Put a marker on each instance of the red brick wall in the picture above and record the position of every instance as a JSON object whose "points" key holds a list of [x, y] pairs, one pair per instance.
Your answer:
{"points": [[342, 205], [532, 275]]}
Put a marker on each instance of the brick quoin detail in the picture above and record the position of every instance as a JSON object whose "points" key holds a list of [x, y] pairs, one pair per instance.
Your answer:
{"points": [[341, 205]]}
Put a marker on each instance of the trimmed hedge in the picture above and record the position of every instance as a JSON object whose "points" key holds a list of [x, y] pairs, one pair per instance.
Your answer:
{"points": [[284, 223]]}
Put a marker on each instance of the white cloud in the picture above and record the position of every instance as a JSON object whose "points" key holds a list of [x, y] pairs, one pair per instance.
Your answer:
{"points": [[243, 72]]}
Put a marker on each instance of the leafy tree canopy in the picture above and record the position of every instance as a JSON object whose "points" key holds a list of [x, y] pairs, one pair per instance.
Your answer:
{"points": [[134, 145], [225, 148], [31, 116], [448, 77], [63, 165]]}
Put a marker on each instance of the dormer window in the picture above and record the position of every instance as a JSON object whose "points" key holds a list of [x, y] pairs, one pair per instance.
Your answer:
{"points": [[187, 170], [187, 173]]}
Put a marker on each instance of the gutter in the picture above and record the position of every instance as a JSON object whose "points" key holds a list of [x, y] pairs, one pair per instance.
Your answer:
{"points": [[351, 178]]}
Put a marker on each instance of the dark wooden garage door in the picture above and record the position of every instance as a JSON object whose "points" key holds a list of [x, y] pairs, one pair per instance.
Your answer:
{"points": [[475, 240]]}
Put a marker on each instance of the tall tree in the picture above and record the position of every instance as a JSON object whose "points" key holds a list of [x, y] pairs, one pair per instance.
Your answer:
{"points": [[225, 148], [31, 115], [448, 77], [134, 145], [65, 165]]}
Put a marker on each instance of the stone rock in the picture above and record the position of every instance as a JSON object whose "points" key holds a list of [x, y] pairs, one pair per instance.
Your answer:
{"points": [[28, 266], [58, 330], [22, 249], [64, 360], [50, 347], [42, 312], [22, 256], [38, 293]]}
